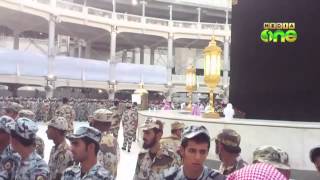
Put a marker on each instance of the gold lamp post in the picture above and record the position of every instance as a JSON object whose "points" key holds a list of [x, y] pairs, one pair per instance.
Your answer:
{"points": [[212, 63], [191, 83]]}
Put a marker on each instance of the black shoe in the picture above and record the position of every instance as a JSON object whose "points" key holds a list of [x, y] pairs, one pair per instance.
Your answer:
{"points": [[123, 148], [128, 150]]}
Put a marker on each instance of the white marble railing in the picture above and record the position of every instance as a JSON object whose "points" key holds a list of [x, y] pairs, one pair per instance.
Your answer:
{"points": [[81, 9]]}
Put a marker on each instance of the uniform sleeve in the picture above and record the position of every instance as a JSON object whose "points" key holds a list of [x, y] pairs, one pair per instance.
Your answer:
{"points": [[64, 161], [135, 177]]}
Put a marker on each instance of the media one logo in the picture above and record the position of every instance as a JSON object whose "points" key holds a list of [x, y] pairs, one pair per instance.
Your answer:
{"points": [[279, 32]]}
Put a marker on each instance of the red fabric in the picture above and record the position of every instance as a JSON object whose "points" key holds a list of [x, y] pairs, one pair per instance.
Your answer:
{"points": [[259, 171]]}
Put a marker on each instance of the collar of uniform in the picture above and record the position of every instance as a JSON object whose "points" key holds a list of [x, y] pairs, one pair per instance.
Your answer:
{"points": [[92, 170], [228, 168], [63, 145], [201, 175], [32, 156]]}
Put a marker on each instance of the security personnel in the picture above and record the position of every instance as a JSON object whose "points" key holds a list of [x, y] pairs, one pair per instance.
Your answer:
{"points": [[109, 154], [60, 155], [85, 147], [32, 166], [67, 112], [9, 160], [153, 162], [129, 124], [195, 147], [228, 150], [173, 142], [39, 143]]}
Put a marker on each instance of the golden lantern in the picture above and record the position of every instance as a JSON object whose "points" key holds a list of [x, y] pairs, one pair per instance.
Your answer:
{"points": [[212, 64], [191, 83]]}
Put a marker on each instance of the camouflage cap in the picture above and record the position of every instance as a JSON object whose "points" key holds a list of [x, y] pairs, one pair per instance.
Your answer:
{"points": [[59, 123], [102, 115], [272, 155], [229, 137], [192, 131], [89, 132], [24, 127], [26, 113], [4, 122], [151, 123], [14, 107], [177, 125]]}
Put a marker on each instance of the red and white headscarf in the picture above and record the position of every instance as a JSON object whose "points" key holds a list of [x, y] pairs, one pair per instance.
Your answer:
{"points": [[259, 171]]}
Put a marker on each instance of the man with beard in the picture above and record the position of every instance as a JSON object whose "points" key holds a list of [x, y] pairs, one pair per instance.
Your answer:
{"points": [[85, 147], [9, 160], [195, 147], [228, 149], [60, 155], [173, 142], [152, 163]]}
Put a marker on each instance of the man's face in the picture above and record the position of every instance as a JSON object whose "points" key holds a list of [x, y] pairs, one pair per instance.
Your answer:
{"points": [[194, 154], [179, 132], [79, 150], [51, 132], [317, 163], [149, 138]]}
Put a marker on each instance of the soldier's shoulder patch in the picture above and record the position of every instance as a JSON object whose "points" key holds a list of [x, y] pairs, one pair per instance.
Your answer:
{"points": [[8, 165], [40, 177], [61, 157]]}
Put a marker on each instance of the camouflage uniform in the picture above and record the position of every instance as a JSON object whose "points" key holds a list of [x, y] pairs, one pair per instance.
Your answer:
{"points": [[97, 171], [39, 143], [151, 167], [116, 119], [129, 124], [207, 174], [230, 138], [60, 156], [109, 154], [9, 160], [33, 167], [173, 142], [226, 170], [67, 112]]}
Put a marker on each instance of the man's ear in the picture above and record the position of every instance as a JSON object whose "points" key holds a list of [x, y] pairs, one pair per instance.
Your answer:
{"points": [[182, 151]]}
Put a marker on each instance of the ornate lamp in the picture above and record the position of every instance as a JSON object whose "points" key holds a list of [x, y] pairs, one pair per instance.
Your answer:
{"points": [[142, 95], [212, 63], [191, 83]]}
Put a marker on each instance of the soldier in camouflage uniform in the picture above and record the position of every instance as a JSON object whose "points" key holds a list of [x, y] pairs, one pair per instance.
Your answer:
{"points": [[153, 162], [12, 109], [109, 154], [228, 149], [274, 156], [85, 147], [129, 124], [116, 118], [173, 142], [67, 112], [39, 143], [195, 146], [9, 160], [32, 166], [60, 155]]}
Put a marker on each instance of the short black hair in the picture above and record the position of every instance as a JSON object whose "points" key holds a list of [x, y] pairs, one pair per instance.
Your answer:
{"points": [[65, 100], [200, 138], [314, 153], [23, 141], [88, 141], [116, 103], [231, 149]]}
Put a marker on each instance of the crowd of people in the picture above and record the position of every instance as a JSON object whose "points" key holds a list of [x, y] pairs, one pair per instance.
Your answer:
{"points": [[93, 152]]}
